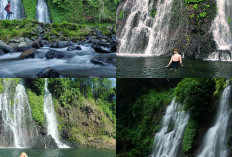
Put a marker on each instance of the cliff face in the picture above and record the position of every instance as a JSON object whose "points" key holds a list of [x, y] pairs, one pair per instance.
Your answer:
{"points": [[189, 26]]}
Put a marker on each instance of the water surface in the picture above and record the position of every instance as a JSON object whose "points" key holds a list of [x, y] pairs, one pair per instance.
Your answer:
{"points": [[154, 67], [82, 152]]}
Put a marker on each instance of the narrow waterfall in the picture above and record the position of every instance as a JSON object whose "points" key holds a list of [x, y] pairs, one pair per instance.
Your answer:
{"points": [[16, 8], [168, 139], [222, 31], [42, 11], [143, 33], [214, 143], [13, 117], [52, 126]]}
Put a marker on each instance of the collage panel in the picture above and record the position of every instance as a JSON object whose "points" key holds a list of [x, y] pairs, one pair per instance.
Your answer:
{"points": [[57, 117], [188, 117], [57, 38], [174, 38]]}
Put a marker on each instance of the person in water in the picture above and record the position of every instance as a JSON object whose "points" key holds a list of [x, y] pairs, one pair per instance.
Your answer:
{"points": [[23, 155], [8, 11], [176, 60]]}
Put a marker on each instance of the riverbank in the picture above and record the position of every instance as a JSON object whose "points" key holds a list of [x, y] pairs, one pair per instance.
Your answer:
{"points": [[87, 49]]}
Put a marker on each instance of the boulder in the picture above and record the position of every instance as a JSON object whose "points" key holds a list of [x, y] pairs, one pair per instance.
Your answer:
{"points": [[36, 45], [54, 45], [48, 73], [72, 48], [29, 53], [1, 52], [6, 48], [99, 49], [54, 54], [104, 60], [62, 44]]}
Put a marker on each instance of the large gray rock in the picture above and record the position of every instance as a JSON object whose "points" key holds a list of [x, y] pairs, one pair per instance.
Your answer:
{"points": [[62, 44], [6, 48], [41, 142], [29, 53], [99, 49], [54, 54], [48, 73]]}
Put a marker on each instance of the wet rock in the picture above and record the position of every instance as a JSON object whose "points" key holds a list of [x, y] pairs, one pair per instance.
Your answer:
{"points": [[6, 48], [29, 53], [54, 54], [45, 43], [72, 48], [99, 49], [54, 45], [1, 52], [41, 142], [105, 61], [48, 73], [36, 45], [62, 44]]}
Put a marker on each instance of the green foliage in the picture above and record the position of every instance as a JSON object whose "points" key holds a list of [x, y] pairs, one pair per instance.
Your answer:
{"points": [[202, 15], [220, 85], [121, 15], [153, 12], [195, 95], [36, 103], [192, 16], [193, 1], [189, 135], [29, 8], [1, 86], [36, 85], [195, 6]]}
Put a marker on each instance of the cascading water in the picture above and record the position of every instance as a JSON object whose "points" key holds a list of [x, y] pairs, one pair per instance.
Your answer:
{"points": [[214, 143], [168, 139], [222, 31], [42, 11], [17, 128], [142, 33], [52, 127], [16, 8]]}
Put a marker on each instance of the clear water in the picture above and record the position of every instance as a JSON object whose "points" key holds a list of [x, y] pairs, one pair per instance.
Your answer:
{"points": [[82, 152], [154, 67]]}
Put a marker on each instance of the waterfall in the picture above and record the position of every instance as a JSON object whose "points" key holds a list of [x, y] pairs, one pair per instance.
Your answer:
{"points": [[17, 128], [42, 11], [143, 33], [222, 31], [168, 139], [52, 126], [214, 143], [16, 8]]}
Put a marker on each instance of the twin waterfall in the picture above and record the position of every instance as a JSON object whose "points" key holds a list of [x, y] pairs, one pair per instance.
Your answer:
{"points": [[143, 33], [42, 13], [17, 128], [168, 140]]}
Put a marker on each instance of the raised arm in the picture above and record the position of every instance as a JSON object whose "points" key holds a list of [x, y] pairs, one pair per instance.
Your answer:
{"points": [[181, 61]]}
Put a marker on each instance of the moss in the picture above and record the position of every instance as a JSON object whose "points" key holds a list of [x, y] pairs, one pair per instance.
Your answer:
{"points": [[29, 8], [121, 15], [1, 86], [189, 135], [36, 103]]}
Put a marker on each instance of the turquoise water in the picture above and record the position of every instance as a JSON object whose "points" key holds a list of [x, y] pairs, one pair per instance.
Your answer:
{"points": [[81, 152]]}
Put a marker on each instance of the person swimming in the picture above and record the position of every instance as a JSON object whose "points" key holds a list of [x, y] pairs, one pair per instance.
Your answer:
{"points": [[23, 155], [176, 60]]}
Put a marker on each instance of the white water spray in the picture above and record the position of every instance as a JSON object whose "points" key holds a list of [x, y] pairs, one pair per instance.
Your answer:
{"points": [[143, 33], [52, 126], [18, 129], [168, 139], [214, 143], [42, 11]]}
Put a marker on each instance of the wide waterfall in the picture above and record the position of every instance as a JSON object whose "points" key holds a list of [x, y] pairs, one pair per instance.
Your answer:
{"points": [[214, 143], [42, 11], [147, 27], [17, 128], [168, 139], [52, 126], [222, 31], [16, 8]]}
